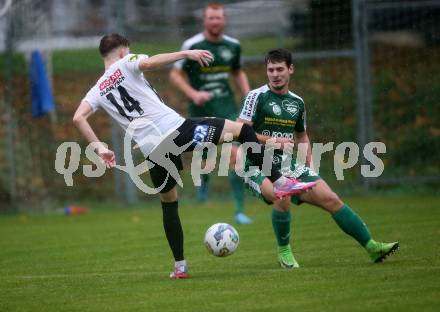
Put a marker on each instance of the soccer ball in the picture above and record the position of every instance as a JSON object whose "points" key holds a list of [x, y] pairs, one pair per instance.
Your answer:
{"points": [[221, 239]]}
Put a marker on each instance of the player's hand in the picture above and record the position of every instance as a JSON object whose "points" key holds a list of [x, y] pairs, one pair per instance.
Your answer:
{"points": [[203, 57], [107, 156], [199, 98], [286, 144]]}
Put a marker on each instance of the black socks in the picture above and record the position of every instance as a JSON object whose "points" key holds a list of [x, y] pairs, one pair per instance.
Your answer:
{"points": [[173, 229]]}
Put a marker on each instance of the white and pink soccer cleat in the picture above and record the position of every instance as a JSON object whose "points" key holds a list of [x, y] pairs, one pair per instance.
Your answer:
{"points": [[180, 272], [290, 187]]}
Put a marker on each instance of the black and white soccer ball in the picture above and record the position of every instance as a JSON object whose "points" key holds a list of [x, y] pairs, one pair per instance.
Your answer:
{"points": [[221, 239]]}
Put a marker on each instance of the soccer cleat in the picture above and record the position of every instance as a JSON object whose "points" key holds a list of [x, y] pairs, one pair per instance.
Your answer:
{"points": [[180, 272], [379, 251], [291, 187], [241, 218], [286, 258]]}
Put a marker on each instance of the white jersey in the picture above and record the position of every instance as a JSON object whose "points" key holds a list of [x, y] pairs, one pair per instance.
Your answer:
{"points": [[125, 94]]}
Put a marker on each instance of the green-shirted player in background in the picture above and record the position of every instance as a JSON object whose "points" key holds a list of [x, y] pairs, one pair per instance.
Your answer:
{"points": [[276, 113], [209, 90]]}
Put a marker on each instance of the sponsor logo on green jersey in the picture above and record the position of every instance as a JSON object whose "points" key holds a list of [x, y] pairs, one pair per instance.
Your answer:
{"points": [[290, 107], [275, 108]]}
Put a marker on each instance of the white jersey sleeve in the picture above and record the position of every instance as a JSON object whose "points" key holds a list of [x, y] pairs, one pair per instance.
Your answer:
{"points": [[92, 97], [133, 61]]}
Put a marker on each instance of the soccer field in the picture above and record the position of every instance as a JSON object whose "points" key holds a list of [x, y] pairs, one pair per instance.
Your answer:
{"points": [[118, 260]]}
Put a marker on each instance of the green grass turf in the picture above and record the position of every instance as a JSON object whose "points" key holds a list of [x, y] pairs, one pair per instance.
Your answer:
{"points": [[118, 260]]}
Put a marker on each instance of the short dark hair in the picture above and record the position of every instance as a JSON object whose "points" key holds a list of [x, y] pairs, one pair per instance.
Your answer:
{"points": [[278, 55], [214, 6], [112, 41]]}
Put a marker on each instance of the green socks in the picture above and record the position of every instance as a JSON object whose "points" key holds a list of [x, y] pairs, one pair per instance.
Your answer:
{"points": [[237, 191], [281, 226], [372, 245], [346, 218], [352, 224]]}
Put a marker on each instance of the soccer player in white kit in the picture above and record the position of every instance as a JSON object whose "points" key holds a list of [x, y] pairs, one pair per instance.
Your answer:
{"points": [[124, 93]]}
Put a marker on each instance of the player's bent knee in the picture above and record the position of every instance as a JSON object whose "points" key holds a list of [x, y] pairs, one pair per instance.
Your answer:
{"points": [[169, 196], [282, 205], [331, 201]]}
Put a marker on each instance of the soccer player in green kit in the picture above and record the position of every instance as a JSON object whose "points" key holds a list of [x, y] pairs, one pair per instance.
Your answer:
{"points": [[277, 114], [209, 90]]}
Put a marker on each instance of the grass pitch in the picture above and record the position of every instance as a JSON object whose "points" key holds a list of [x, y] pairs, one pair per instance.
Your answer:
{"points": [[118, 260]]}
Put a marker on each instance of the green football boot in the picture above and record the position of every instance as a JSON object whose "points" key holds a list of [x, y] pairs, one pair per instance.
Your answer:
{"points": [[379, 251], [286, 258]]}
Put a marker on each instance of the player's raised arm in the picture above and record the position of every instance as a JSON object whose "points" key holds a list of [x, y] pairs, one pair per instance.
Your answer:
{"points": [[203, 57], [84, 111]]}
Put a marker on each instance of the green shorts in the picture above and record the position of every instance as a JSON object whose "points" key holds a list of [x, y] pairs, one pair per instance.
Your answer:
{"points": [[297, 171]]}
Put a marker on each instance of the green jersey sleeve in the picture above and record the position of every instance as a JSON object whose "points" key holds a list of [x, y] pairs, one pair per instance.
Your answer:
{"points": [[300, 126], [236, 62]]}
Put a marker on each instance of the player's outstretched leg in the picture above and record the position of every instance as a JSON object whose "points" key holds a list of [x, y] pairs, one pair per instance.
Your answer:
{"points": [[351, 223], [283, 186], [348, 221]]}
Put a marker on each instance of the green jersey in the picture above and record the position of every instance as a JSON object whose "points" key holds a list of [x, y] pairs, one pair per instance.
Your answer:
{"points": [[274, 115], [215, 78]]}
